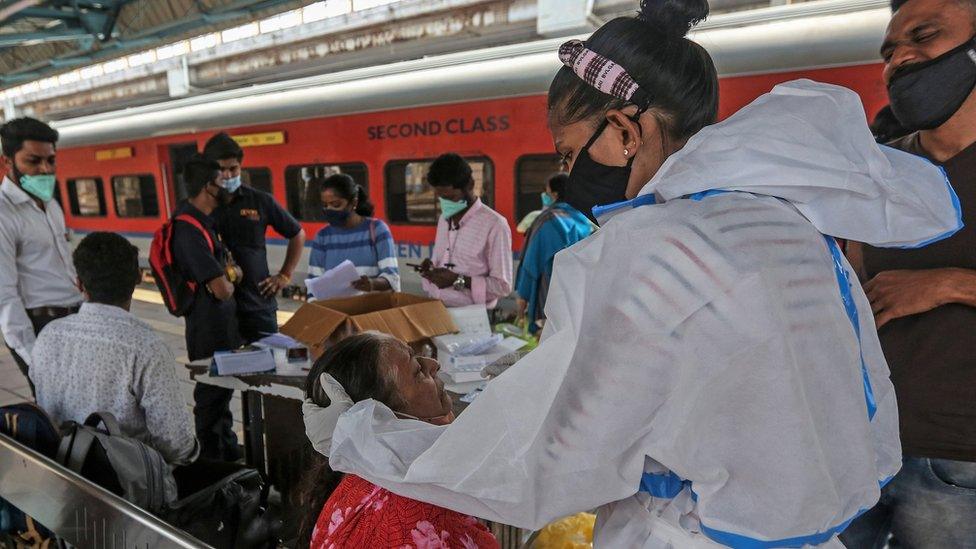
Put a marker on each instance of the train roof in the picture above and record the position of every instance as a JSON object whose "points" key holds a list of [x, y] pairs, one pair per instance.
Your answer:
{"points": [[827, 33]]}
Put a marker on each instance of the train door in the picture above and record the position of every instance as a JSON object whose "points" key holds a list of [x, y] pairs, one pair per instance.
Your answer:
{"points": [[173, 158]]}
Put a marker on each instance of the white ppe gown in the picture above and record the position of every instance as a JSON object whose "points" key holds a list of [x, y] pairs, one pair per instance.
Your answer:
{"points": [[700, 379]]}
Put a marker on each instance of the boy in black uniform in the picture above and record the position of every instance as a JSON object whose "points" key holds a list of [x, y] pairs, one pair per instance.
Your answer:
{"points": [[242, 224], [211, 324]]}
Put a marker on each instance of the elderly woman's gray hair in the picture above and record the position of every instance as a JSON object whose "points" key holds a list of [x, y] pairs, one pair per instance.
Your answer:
{"points": [[359, 363]]}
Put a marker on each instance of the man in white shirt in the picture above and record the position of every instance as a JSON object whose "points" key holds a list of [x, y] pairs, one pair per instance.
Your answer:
{"points": [[104, 359], [37, 279]]}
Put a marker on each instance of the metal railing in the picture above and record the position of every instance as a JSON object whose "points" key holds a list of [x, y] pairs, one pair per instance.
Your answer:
{"points": [[78, 511]]}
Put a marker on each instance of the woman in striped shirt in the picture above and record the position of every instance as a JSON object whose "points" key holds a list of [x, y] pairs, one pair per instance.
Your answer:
{"points": [[353, 234]]}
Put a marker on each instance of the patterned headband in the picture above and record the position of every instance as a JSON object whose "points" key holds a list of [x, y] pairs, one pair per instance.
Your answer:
{"points": [[602, 73]]}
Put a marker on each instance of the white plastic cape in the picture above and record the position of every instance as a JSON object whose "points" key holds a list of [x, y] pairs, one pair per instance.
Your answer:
{"points": [[698, 350]]}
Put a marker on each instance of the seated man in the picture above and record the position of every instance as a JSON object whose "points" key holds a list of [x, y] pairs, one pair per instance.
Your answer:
{"points": [[104, 359]]}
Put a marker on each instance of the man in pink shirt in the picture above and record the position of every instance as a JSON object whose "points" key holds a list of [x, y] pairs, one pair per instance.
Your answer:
{"points": [[472, 258]]}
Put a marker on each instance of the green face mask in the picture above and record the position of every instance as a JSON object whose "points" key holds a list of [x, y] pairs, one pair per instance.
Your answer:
{"points": [[450, 208], [547, 200], [41, 186]]}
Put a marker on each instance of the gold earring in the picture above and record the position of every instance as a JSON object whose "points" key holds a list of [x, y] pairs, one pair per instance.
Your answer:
{"points": [[626, 152]]}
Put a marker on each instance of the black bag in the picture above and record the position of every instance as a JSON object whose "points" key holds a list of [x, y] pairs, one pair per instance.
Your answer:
{"points": [[229, 513], [29, 425], [122, 465]]}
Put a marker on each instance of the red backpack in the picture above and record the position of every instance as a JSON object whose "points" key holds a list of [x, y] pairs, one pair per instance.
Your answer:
{"points": [[177, 291]]}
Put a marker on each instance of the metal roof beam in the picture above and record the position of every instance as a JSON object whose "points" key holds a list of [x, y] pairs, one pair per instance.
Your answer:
{"points": [[9, 8], [128, 44], [100, 4], [236, 10], [97, 19], [20, 77], [100, 23], [57, 35], [46, 13], [73, 62]]}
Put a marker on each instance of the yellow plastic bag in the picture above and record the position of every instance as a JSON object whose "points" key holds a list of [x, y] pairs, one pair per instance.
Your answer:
{"points": [[575, 532]]}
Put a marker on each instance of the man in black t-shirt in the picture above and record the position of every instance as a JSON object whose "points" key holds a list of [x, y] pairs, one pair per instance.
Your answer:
{"points": [[211, 324], [924, 300], [242, 223]]}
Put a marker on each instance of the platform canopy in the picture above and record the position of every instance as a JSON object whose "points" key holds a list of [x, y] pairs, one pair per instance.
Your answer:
{"points": [[43, 37]]}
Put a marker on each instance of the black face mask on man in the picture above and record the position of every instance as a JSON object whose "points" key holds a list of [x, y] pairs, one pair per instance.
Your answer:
{"points": [[592, 184], [222, 197], [925, 95]]}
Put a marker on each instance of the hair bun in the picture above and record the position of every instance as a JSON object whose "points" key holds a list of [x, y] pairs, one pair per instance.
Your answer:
{"points": [[674, 17]]}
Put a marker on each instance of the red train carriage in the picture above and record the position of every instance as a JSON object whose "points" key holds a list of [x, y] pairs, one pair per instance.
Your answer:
{"points": [[120, 171]]}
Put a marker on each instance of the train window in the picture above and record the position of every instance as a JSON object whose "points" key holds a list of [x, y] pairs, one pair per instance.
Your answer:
{"points": [[257, 178], [303, 198], [86, 196], [135, 196], [531, 173], [410, 200]]}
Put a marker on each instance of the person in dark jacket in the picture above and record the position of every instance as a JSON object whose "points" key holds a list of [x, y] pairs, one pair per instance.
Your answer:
{"points": [[211, 324]]}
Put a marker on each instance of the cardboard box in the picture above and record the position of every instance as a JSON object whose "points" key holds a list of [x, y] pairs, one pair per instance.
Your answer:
{"points": [[410, 318]]}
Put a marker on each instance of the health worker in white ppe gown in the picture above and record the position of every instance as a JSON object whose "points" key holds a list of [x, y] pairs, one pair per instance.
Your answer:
{"points": [[710, 374]]}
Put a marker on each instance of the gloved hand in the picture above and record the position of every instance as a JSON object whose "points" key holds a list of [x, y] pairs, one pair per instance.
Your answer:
{"points": [[320, 422]]}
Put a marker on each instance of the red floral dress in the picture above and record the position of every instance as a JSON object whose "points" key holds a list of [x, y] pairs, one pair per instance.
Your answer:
{"points": [[361, 514]]}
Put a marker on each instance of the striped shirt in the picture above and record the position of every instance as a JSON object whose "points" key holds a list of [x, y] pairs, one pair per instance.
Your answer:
{"points": [[369, 246]]}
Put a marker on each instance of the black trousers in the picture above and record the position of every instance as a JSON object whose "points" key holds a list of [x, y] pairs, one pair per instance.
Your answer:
{"points": [[253, 325], [211, 411], [215, 423], [39, 323]]}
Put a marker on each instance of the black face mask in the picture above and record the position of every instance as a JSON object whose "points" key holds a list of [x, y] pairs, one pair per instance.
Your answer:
{"points": [[222, 197], [926, 95], [336, 218], [592, 184]]}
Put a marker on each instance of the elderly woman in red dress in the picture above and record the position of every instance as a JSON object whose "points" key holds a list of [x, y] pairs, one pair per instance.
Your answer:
{"points": [[345, 511]]}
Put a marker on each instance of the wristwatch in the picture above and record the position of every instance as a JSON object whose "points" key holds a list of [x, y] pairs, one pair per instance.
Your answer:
{"points": [[460, 283], [231, 272]]}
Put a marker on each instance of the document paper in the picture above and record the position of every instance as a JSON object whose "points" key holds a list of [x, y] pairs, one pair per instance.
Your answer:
{"points": [[334, 283]]}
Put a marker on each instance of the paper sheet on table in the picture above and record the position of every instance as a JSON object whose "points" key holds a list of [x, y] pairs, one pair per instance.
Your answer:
{"points": [[248, 360], [281, 341], [336, 282]]}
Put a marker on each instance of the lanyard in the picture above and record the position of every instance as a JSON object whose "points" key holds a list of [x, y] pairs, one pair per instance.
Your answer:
{"points": [[451, 243]]}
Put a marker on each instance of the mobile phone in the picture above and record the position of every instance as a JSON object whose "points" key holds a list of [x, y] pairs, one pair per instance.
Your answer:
{"points": [[415, 266]]}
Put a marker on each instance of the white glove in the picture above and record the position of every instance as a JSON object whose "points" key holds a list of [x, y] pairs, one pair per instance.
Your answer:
{"points": [[320, 423]]}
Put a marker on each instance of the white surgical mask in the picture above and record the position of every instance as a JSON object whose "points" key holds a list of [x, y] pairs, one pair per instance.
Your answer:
{"points": [[232, 184]]}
